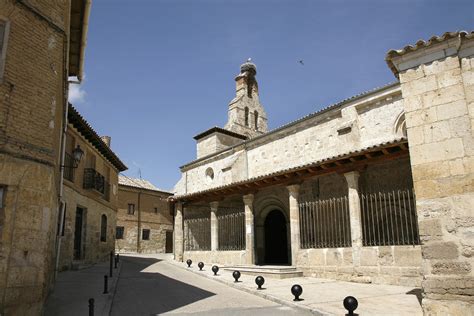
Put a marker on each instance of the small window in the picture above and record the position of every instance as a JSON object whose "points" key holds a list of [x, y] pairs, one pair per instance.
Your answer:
{"points": [[156, 210], [103, 228], [256, 120], [246, 116], [131, 209], [119, 232], [146, 234], [209, 174], [4, 27]]}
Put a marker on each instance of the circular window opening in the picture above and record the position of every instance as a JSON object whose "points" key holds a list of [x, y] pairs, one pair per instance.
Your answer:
{"points": [[209, 174]]}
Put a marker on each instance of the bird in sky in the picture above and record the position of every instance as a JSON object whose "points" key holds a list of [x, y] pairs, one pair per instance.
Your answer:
{"points": [[301, 62]]}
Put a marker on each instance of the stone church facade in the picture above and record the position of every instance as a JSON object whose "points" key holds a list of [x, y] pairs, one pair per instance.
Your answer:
{"points": [[376, 188]]}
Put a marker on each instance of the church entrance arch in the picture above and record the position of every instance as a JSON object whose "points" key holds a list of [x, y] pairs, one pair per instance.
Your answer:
{"points": [[276, 238]]}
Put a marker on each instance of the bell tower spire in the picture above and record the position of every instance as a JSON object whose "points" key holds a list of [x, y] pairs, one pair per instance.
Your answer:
{"points": [[246, 114]]}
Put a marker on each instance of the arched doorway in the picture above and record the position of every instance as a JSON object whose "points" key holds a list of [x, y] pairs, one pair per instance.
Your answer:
{"points": [[276, 239]]}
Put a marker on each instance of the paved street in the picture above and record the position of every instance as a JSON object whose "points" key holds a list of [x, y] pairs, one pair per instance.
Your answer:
{"points": [[155, 284], [149, 286]]}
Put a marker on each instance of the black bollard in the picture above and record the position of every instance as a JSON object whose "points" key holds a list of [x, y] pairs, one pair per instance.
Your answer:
{"points": [[215, 269], [259, 281], [200, 265], [236, 275], [118, 258], [91, 307], [111, 263], [350, 303], [297, 290], [189, 262], [106, 285], [115, 262]]}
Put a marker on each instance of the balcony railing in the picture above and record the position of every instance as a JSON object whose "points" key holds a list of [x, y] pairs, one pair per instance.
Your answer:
{"points": [[68, 167], [93, 180]]}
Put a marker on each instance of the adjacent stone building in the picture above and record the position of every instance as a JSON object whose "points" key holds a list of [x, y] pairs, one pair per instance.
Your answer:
{"points": [[90, 195], [145, 219], [41, 44], [376, 188]]}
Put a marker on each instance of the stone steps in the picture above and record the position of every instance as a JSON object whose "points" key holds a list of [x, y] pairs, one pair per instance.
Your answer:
{"points": [[277, 272]]}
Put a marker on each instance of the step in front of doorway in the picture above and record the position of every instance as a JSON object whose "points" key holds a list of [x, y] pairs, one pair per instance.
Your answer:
{"points": [[276, 272]]}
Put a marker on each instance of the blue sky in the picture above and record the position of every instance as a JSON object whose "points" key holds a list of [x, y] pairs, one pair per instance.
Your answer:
{"points": [[160, 72]]}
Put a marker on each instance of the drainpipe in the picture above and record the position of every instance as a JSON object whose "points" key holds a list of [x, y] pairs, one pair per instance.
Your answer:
{"points": [[139, 222]]}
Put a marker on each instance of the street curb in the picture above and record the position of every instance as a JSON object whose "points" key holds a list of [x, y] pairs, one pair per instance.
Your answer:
{"points": [[112, 290], [255, 292]]}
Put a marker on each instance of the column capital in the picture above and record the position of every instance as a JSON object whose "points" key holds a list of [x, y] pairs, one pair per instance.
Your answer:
{"points": [[294, 190], [248, 198], [214, 205], [352, 178]]}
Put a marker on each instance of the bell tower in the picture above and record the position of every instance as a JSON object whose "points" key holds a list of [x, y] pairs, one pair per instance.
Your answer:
{"points": [[246, 114]]}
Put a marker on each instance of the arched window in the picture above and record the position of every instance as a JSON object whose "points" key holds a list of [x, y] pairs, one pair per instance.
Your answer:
{"points": [[246, 116], [103, 228], [255, 113], [400, 126]]}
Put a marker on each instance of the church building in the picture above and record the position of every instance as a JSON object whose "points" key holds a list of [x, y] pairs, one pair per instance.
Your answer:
{"points": [[377, 188]]}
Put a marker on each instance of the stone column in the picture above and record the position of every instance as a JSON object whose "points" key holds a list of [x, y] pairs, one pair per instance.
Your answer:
{"points": [[178, 232], [214, 229], [352, 179], [437, 85], [249, 229], [294, 192]]}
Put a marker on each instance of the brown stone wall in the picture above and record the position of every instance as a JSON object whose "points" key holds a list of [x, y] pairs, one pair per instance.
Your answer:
{"points": [[32, 100], [93, 249], [439, 107], [93, 202], [157, 222]]}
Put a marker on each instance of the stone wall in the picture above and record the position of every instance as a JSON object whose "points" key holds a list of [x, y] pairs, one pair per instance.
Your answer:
{"points": [[355, 125], [94, 250], [438, 89], [398, 265], [158, 222], [32, 103]]}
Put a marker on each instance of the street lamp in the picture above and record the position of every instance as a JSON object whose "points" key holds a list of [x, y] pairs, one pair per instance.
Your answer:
{"points": [[77, 154]]}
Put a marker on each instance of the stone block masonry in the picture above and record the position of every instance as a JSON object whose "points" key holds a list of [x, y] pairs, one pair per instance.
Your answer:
{"points": [[32, 99], [439, 104]]}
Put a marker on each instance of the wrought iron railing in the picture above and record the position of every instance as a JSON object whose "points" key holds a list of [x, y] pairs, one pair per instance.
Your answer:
{"points": [[68, 173], [95, 181], [231, 230], [389, 218], [325, 223], [197, 234]]}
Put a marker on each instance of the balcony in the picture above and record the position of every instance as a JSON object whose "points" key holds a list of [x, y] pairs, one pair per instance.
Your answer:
{"points": [[93, 180]]}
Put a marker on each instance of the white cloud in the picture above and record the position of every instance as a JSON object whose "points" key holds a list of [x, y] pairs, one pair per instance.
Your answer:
{"points": [[76, 94]]}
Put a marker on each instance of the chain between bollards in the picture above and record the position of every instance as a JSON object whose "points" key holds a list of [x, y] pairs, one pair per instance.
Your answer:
{"points": [[111, 263], [91, 307], [106, 285]]}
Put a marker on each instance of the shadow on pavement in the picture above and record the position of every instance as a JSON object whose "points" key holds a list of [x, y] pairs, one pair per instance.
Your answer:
{"points": [[143, 293], [417, 293]]}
